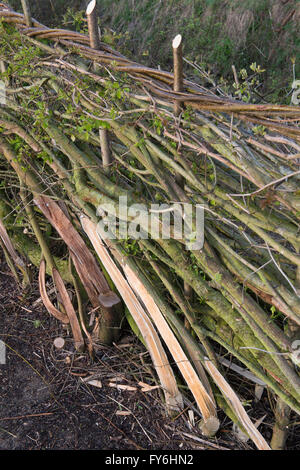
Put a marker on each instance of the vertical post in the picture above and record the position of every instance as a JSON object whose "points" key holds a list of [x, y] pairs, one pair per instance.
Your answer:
{"points": [[178, 83], [178, 86], [3, 70], [105, 150], [237, 83], [27, 14], [178, 70], [92, 20]]}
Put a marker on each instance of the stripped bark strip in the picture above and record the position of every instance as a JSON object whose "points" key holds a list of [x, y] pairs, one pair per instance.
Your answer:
{"points": [[87, 284], [237, 406], [77, 246], [203, 399], [66, 301], [90, 274], [44, 296], [158, 355]]}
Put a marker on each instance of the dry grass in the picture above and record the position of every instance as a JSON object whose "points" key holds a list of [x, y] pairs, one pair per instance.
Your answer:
{"points": [[237, 25]]}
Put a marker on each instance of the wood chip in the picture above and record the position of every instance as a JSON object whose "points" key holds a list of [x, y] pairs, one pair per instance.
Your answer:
{"points": [[191, 417], [95, 383], [148, 388], [129, 388], [59, 343], [259, 390], [123, 413], [117, 378]]}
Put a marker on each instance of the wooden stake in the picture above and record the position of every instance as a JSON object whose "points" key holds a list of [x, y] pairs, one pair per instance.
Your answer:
{"points": [[27, 14], [236, 81], [188, 293], [92, 20], [178, 70], [105, 150], [178, 86]]}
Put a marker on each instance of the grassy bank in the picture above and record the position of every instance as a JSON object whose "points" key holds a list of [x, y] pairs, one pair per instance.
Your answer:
{"points": [[217, 34]]}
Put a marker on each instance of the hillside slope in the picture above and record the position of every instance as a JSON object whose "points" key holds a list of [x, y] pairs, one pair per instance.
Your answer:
{"points": [[216, 33]]}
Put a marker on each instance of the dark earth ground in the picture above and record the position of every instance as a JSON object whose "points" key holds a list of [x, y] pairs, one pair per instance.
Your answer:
{"points": [[45, 402]]}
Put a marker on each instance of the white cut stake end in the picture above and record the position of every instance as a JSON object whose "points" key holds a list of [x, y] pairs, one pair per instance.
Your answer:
{"points": [[90, 8], [177, 41], [59, 343]]}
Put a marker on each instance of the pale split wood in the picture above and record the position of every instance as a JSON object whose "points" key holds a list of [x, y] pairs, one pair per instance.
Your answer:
{"points": [[44, 296], [95, 383], [241, 371], [123, 413], [71, 237], [90, 274], [147, 388], [128, 388], [237, 406], [203, 399], [66, 301], [87, 284], [165, 373]]}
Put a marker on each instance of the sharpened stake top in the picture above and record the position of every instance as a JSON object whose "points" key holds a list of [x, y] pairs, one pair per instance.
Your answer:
{"points": [[92, 21], [90, 8], [177, 41], [27, 14]]}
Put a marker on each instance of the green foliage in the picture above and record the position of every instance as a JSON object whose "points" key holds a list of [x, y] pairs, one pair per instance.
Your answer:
{"points": [[145, 29], [259, 130], [246, 88], [76, 19], [276, 315], [158, 125], [131, 247], [201, 22]]}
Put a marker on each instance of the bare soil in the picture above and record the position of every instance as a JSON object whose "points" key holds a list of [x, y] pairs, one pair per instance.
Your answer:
{"points": [[46, 401]]}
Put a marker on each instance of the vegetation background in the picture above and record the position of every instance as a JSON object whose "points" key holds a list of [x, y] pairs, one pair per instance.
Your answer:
{"points": [[258, 37], [217, 33]]}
